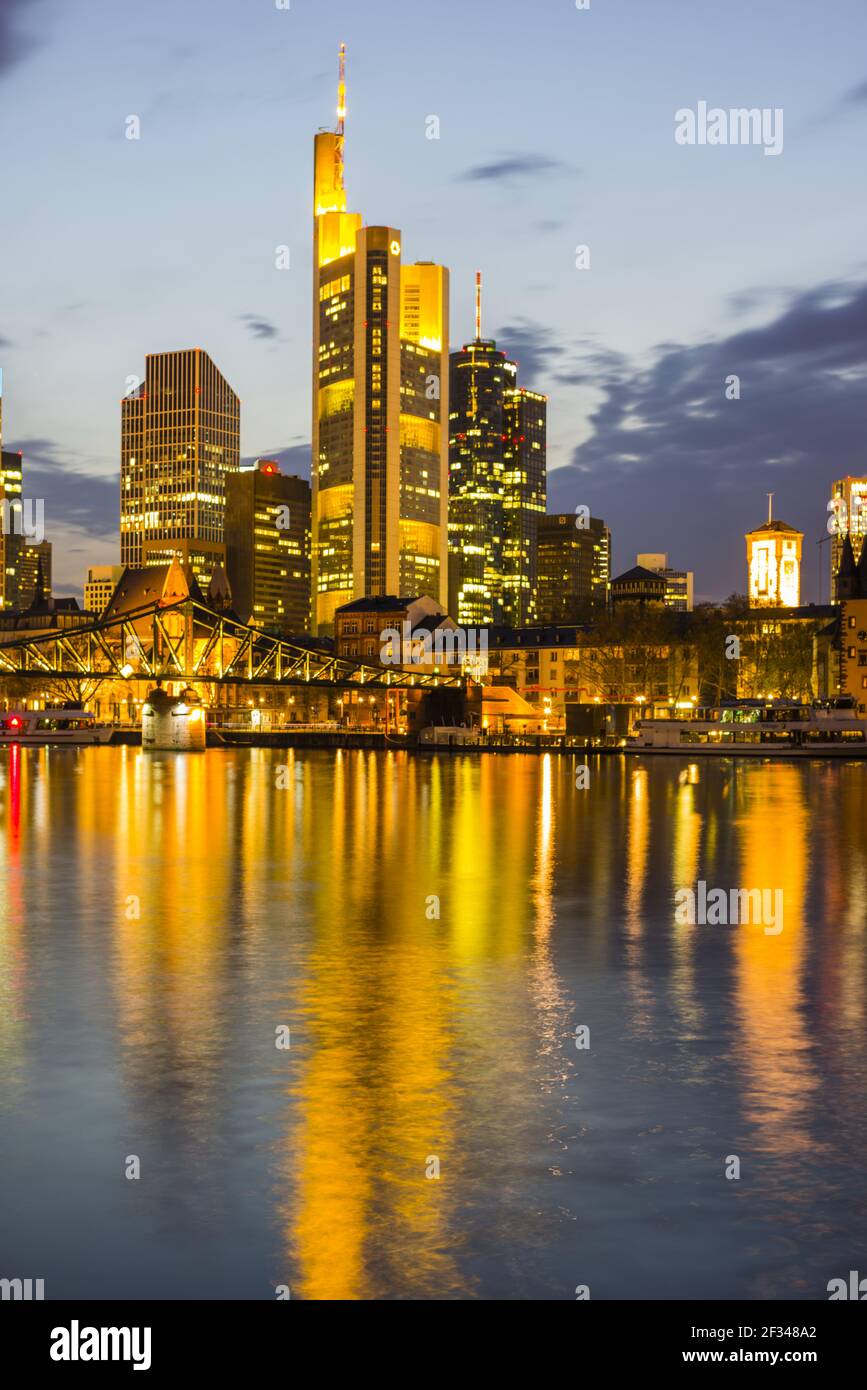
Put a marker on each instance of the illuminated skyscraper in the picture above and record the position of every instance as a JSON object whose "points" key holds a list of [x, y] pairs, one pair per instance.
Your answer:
{"points": [[574, 569], [180, 439], [774, 564], [480, 376], [497, 485], [380, 403], [268, 547], [524, 502], [34, 581], [849, 498], [12, 540]]}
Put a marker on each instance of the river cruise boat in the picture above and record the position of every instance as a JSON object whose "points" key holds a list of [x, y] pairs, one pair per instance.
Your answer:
{"points": [[52, 726], [757, 729]]}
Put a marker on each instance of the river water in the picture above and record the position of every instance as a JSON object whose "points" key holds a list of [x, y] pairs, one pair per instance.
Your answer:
{"points": [[423, 936]]}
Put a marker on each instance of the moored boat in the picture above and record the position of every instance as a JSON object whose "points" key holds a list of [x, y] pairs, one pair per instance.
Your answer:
{"points": [[52, 726], [756, 728]]}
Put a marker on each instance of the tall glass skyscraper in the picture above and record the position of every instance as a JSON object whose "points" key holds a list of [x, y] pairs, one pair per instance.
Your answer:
{"points": [[12, 540], [497, 485], [180, 439], [380, 404], [524, 502]]}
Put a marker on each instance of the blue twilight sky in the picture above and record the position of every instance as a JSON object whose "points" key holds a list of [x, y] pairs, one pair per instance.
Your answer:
{"points": [[556, 130]]}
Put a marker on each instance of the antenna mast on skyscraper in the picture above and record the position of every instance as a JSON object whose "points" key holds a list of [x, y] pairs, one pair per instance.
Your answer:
{"points": [[341, 92], [478, 306]]}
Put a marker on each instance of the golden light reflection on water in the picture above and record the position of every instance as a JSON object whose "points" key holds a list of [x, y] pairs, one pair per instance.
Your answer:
{"points": [[427, 928], [773, 1041]]}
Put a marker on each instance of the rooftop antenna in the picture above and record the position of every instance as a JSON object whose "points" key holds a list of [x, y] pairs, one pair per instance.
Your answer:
{"points": [[770, 506], [478, 306], [341, 92]]}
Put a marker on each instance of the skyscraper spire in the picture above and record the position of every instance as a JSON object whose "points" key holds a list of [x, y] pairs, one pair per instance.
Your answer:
{"points": [[478, 306], [341, 92]]}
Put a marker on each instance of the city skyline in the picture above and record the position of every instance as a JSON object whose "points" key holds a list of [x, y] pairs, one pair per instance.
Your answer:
{"points": [[795, 326]]}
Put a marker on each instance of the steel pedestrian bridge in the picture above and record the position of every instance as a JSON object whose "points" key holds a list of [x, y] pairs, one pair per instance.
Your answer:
{"points": [[190, 642]]}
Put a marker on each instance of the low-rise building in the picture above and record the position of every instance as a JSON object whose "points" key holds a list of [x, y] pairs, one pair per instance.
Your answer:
{"points": [[638, 585], [679, 584]]}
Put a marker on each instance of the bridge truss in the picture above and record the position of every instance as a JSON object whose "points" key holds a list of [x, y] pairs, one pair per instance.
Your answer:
{"points": [[190, 642]]}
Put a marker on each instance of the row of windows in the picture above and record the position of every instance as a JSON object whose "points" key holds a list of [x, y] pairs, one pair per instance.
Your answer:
{"points": [[334, 287]]}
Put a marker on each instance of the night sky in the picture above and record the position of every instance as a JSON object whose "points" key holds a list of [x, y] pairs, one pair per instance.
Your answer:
{"points": [[556, 130]]}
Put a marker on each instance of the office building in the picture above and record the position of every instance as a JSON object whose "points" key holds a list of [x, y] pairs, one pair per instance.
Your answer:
{"points": [[268, 547], [99, 586], [11, 538], [497, 485], [849, 501], [524, 501], [179, 444], [34, 580], [380, 403], [574, 569]]}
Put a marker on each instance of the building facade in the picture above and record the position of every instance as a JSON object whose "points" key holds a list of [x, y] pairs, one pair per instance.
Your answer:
{"points": [[34, 578], [497, 485], [852, 588], [180, 441], [268, 547], [100, 584], [774, 565], [11, 538], [479, 378], [574, 568], [638, 585], [849, 518], [524, 501], [380, 403], [679, 584]]}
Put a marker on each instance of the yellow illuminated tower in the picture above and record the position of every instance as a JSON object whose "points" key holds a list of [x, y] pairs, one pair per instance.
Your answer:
{"points": [[380, 403], [774, 563]]}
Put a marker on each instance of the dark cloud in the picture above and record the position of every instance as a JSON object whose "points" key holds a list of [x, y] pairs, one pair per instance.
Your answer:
{"points": [[530, 345], [857, 96], [512, 167], [259, 327], [71, 498], [5, 342], [14, 46], [673, 465]]}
